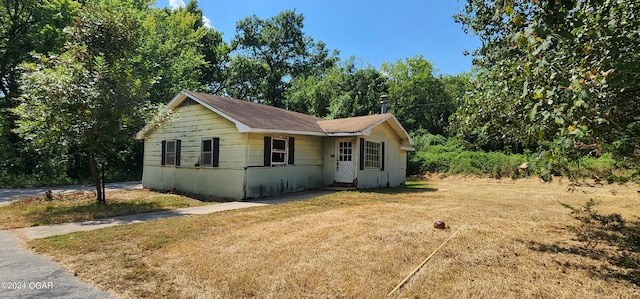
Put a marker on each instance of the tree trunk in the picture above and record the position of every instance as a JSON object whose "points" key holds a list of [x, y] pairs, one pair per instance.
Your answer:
{"points": [[94, 170]]}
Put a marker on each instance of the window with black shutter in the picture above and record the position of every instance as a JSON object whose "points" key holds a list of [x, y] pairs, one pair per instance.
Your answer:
{"points": [[170, 152], [210, 152]]}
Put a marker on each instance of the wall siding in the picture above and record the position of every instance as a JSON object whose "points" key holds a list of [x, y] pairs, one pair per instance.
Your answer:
{"points": [[241, 172], [390, 176], [305, 173], [194, 123]]}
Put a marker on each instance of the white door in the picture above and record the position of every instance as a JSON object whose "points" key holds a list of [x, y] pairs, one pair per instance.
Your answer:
{"points": [[344, 169]]}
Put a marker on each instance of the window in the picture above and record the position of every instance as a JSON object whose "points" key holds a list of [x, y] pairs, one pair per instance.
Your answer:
{"points": [[345, 151], [278, 151], [209, 152], [170, 152], [371, 154]]}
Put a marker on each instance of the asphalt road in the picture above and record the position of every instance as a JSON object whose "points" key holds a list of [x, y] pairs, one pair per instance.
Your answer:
{"points": [[24, 274], [8, 195]]}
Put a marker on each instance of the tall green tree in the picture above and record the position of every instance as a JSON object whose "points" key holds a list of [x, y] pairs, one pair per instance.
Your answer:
{"points": [[560, 75], [455, 86], [89, 97], [25, 26], [182, 52], [417, 97], [347, 89], [269, 53], [361, 91], [214, 50], [313, 94], [170, 43]]}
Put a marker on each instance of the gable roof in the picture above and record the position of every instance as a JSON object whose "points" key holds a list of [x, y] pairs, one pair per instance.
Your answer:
{"points": [[353, 125], [259, 118], [253, 117]]}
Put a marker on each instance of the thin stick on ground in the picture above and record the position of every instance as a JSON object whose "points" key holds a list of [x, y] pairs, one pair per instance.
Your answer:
{"points": [[406, 279]]}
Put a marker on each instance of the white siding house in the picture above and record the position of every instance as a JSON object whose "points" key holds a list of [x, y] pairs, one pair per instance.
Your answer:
{"points": [[219, 147]]}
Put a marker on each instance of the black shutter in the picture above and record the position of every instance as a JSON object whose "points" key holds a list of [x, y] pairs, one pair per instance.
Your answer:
{"points": [[361, 153], [382, 161], [292, 147], [216, 151], [178, 144], [267, 151], [163, 159]]}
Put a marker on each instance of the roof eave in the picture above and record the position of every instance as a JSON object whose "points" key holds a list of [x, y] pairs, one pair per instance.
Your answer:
{"points": [[408, 148], [276, 131], [343, 134]]}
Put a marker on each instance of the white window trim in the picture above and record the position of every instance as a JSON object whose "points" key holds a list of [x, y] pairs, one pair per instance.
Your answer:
{"points": [[166, 152], [202, 152], [366, 155], [285, 151]]}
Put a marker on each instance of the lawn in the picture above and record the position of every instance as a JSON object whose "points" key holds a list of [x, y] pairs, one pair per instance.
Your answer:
{"points": [[82, 206], [514, 240]]}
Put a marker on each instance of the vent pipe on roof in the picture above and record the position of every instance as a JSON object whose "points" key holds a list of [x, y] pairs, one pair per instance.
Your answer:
{"points": [[384, 99]]}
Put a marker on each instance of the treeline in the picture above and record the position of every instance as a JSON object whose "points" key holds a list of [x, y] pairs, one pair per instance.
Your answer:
{"points": [[554, 81], [80, 78]]}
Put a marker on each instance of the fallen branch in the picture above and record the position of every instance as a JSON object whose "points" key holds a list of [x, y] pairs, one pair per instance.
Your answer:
{"points": [[406, 279]]}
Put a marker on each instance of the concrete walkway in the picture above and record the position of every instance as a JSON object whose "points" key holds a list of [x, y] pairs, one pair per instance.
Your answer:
{"points": [[27, 275], [44, 231]]}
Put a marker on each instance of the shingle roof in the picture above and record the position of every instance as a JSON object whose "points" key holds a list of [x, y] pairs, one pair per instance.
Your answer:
{"points": [[254, 117], [259, 116], [352, 124]]}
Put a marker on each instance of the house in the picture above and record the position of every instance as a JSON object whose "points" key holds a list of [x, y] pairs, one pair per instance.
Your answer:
{"points": [[220, 147]]}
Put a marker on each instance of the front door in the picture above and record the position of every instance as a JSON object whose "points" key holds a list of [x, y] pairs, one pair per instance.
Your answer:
{"points": [[344, 169]]}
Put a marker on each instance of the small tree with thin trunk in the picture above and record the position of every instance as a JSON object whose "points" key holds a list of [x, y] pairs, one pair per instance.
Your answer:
{"points": [[89, 97]]}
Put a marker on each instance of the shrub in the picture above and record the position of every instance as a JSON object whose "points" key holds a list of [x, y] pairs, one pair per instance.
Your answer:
{"points": [[436, 154]]}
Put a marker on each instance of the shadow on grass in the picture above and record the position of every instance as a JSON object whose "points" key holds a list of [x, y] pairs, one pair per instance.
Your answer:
{"points": [[409, 187], [91, 211], [598, 235]]}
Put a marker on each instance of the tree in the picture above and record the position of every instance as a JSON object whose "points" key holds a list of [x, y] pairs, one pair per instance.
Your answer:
{"points": [[417, 97], [455, 86], [181, 52], [560, 75], [344, 90], [361, 91], [268, 54], [25, 26], [170, 43], [313, 94], [89, 97], [215, 52]]}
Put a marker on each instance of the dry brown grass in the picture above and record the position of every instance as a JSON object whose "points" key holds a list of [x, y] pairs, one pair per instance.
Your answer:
{"points": [[513, 243], [82, 206]]}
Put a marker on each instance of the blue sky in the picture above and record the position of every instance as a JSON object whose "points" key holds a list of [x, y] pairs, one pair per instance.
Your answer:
{"points": [[374, 31]]}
